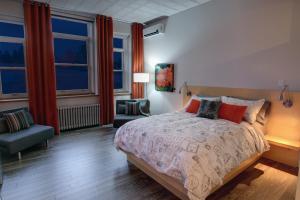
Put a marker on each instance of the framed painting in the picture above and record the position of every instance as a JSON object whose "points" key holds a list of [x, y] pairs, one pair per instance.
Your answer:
{"points": [[164, 77]]}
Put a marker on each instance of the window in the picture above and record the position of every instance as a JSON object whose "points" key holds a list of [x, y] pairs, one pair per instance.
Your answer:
{"points": [[72, 51], [12, 61], [121, 58]]}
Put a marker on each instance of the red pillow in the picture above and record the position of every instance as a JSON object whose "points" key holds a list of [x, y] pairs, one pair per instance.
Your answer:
{"points": [[194, 106], [232, 113]]}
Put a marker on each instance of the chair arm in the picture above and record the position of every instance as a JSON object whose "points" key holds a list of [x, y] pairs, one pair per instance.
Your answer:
{"points": [[144, 107]]}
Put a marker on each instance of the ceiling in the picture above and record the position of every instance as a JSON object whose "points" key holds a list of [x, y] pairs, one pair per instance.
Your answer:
{"points": [[127, 10]]}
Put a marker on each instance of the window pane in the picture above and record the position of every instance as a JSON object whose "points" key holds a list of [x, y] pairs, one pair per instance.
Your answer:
{"points": [[13, 81], [11, 30], [70, 51], [118, 43], [118, 80], [118, 60], [11, 55], [71, 78], [69, 27]]}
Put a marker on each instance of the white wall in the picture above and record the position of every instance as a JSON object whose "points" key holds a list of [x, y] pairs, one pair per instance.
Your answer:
{"points": [[14, 10], [230, 43]]}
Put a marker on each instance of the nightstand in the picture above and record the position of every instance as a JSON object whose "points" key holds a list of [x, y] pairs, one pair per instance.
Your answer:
{"points": [[283, 150]]}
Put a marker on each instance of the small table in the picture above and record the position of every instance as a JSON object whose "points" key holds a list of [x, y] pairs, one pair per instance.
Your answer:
{"points": [[283, 150]]}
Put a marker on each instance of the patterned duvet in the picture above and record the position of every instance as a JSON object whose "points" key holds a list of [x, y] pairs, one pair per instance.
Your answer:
{"points": [[197, 151]]}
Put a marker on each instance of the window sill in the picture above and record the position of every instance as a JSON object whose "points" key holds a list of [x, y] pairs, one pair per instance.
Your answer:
{"points": [[13, 100], [58, 97], [122, 93], [75, 96]]}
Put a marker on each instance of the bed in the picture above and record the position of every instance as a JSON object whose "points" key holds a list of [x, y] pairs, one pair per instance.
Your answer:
{"points": [[190, 156]]}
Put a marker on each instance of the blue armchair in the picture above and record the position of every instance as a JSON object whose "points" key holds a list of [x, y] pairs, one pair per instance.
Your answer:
{"points": [[121, 118], [12, 143]]}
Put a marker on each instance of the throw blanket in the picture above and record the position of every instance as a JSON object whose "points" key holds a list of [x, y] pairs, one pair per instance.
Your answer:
{"points": [[197, 151]]}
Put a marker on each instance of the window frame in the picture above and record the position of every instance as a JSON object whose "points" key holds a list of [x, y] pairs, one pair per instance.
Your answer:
{"points": [[125, 62], [16, 40], [90, 50]]}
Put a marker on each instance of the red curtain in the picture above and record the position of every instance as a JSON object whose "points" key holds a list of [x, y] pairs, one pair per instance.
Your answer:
{"points": [[105, 66], [40, 64], [137, 58]]}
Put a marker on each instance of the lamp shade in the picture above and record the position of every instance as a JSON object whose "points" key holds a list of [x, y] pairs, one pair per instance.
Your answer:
{"points": [[141, 77]]}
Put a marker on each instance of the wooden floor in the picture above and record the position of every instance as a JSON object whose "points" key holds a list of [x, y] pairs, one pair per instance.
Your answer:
{"points": [[85, 165]]}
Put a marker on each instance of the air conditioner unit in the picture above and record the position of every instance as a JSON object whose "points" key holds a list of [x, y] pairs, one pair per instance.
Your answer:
{"points": [[154, 30]]}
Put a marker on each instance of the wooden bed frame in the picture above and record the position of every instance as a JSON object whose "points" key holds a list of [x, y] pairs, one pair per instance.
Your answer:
{"points": [[174, 185], [281, 121]]}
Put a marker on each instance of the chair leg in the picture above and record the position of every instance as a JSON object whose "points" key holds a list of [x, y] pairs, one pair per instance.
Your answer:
{"points": [[20, 155], [46, 144]]}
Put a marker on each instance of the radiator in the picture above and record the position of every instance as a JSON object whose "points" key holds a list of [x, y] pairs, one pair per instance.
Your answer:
{"points": [[74, 117]]}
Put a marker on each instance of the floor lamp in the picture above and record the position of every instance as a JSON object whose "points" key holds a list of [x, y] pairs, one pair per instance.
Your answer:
{"points": [[142, 78]]}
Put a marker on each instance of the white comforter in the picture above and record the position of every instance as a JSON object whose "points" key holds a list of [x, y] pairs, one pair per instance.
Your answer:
{"points": [[197, 151]]}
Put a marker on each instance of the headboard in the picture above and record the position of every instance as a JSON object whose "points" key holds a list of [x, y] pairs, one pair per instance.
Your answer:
{"points": [[282, 122]]}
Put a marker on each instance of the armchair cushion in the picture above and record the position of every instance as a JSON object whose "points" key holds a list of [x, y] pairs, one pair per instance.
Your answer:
{"points": [[28, 115], [132, 108], [121, 105], [16, 121], [15, 142], [121, 109]]}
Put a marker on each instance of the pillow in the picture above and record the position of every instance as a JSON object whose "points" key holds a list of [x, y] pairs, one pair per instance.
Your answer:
{"points": [[16, 121], [209, 109], [193, 106], [132, 108], [121, 109], [209, 98], [29, 117], [199, 98], [3, 126], [253, 107], [192, 97], [263, 113], [232, 113]]}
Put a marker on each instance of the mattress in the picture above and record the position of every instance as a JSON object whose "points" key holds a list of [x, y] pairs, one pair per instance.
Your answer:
{"points": [[198, 152]]}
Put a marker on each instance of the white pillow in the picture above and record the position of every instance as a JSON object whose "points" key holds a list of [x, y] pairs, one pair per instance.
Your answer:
{"points": [[253, 106], [199, 98]]}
